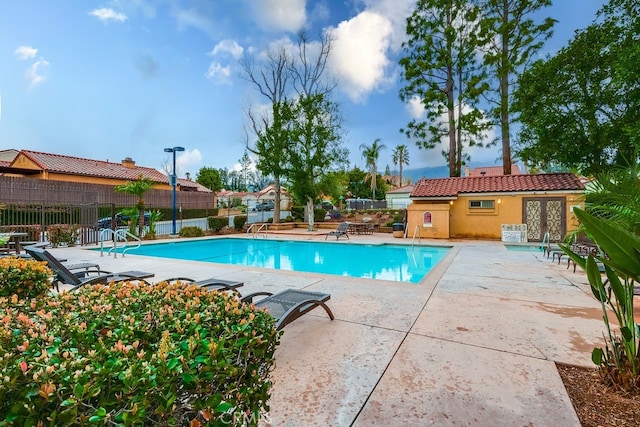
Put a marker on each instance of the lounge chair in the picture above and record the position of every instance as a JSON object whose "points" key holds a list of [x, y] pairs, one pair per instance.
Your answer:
{"points": [[211, 284], [85, 277], [288, 305], [77, 266], [341, 230]]}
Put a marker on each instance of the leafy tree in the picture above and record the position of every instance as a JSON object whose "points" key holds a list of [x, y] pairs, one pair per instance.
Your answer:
{"points": [[224, 177], [315, 148], [210, 178], [400, 157], [316, 125], [579, 108], [371, 154], [138, 187], [387, 170], [245, 169], [442, 72], [511, 38], [271, 79], [356, 183]]}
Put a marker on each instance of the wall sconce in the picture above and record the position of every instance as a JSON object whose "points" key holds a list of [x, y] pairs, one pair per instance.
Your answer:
{"points": [[499, 200], [451, 202]]}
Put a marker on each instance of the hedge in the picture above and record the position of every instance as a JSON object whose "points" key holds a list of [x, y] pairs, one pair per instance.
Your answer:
{"points": [[134, 354]]}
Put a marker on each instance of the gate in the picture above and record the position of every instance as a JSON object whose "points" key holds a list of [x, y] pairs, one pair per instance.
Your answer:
{"points": [[545, 214]]}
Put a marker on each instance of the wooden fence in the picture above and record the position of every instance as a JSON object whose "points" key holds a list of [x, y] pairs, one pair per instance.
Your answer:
{"points": [[15, 190], [33, 205]]}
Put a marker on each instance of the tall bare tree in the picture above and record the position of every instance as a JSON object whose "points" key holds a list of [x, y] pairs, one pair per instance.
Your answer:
{"points": [[272, 79], [317, 127]]}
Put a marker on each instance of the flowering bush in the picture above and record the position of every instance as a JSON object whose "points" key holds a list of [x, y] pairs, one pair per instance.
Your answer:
{"points": [[134, 354], [62, 234], [25, 278]]}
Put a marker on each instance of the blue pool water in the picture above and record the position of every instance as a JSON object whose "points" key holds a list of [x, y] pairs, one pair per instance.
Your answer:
{"points": [[400, 263]]}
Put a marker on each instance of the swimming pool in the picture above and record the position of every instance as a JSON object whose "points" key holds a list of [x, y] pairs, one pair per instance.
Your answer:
{"points": [[401, 263]]}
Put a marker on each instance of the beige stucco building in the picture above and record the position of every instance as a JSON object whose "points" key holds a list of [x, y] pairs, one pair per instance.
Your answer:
{"points": [[479, 207]]}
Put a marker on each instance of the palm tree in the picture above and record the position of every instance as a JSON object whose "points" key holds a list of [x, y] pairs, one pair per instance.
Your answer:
{"points": [[400, 157], [370, 155], [139, 186]]}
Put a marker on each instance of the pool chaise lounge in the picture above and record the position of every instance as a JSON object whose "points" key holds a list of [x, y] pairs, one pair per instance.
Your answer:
{"points": [[211, 284], [341, 230], [288, 305], [83, 277]]}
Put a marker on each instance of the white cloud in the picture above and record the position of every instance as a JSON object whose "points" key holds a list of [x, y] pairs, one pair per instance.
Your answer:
{"points": [[396, 12], [34, 73], [25, 52], [415, 107], [188, 159], [219, 73], [280, 15], [193, 18], [105, 14], [359, 53], [227, 46]]}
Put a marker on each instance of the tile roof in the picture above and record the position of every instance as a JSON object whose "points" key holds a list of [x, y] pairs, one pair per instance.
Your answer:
{"points": [[182, 182], [78, 166], [452, 187], [402, 190]]}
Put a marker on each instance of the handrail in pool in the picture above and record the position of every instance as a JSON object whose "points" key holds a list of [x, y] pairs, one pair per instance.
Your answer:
{"points": [[120, 234], [256, 230]]}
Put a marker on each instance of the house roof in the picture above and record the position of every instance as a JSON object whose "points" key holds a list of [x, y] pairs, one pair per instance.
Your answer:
{"points": [[69, 165], [452, 187], [402, 190], [182, 182], [493, 171]]}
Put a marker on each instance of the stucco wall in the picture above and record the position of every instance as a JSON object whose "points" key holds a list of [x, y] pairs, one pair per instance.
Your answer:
{"points": [[439, 228]]}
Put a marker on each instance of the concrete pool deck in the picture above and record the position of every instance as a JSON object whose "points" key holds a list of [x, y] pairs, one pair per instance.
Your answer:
{"points": [[475, 343]]}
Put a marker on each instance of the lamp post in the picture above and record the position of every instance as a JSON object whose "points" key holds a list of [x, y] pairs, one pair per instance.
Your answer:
{"points": [[174, 182]]}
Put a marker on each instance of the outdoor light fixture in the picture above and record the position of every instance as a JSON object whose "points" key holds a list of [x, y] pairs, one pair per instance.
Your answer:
{"points": [[173, 181]]}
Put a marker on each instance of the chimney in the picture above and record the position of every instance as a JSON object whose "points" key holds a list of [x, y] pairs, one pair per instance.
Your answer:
{"points": [[467, 171], [128, 162]]}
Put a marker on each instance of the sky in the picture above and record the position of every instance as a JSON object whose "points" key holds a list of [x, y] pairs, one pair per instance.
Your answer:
{"points": [[112, 79]]}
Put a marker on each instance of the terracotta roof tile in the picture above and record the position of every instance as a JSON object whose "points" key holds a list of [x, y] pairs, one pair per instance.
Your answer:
{"points": [[452, 187], [87, 167]]}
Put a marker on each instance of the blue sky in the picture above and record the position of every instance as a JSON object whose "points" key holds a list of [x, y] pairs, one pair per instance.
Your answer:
{"points": [[126, 78]]}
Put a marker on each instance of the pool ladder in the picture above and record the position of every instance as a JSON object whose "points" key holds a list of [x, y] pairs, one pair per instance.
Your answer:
{"points": [[255, 229], [416, 231], [121, 235]]}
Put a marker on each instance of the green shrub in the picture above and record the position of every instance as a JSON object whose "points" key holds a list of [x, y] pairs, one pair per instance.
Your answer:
{"points": [[217, 223], [62, 234], [239, 221], [134, 354], [191, 231], [297, 212], [25, 278], [318, 215]]}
